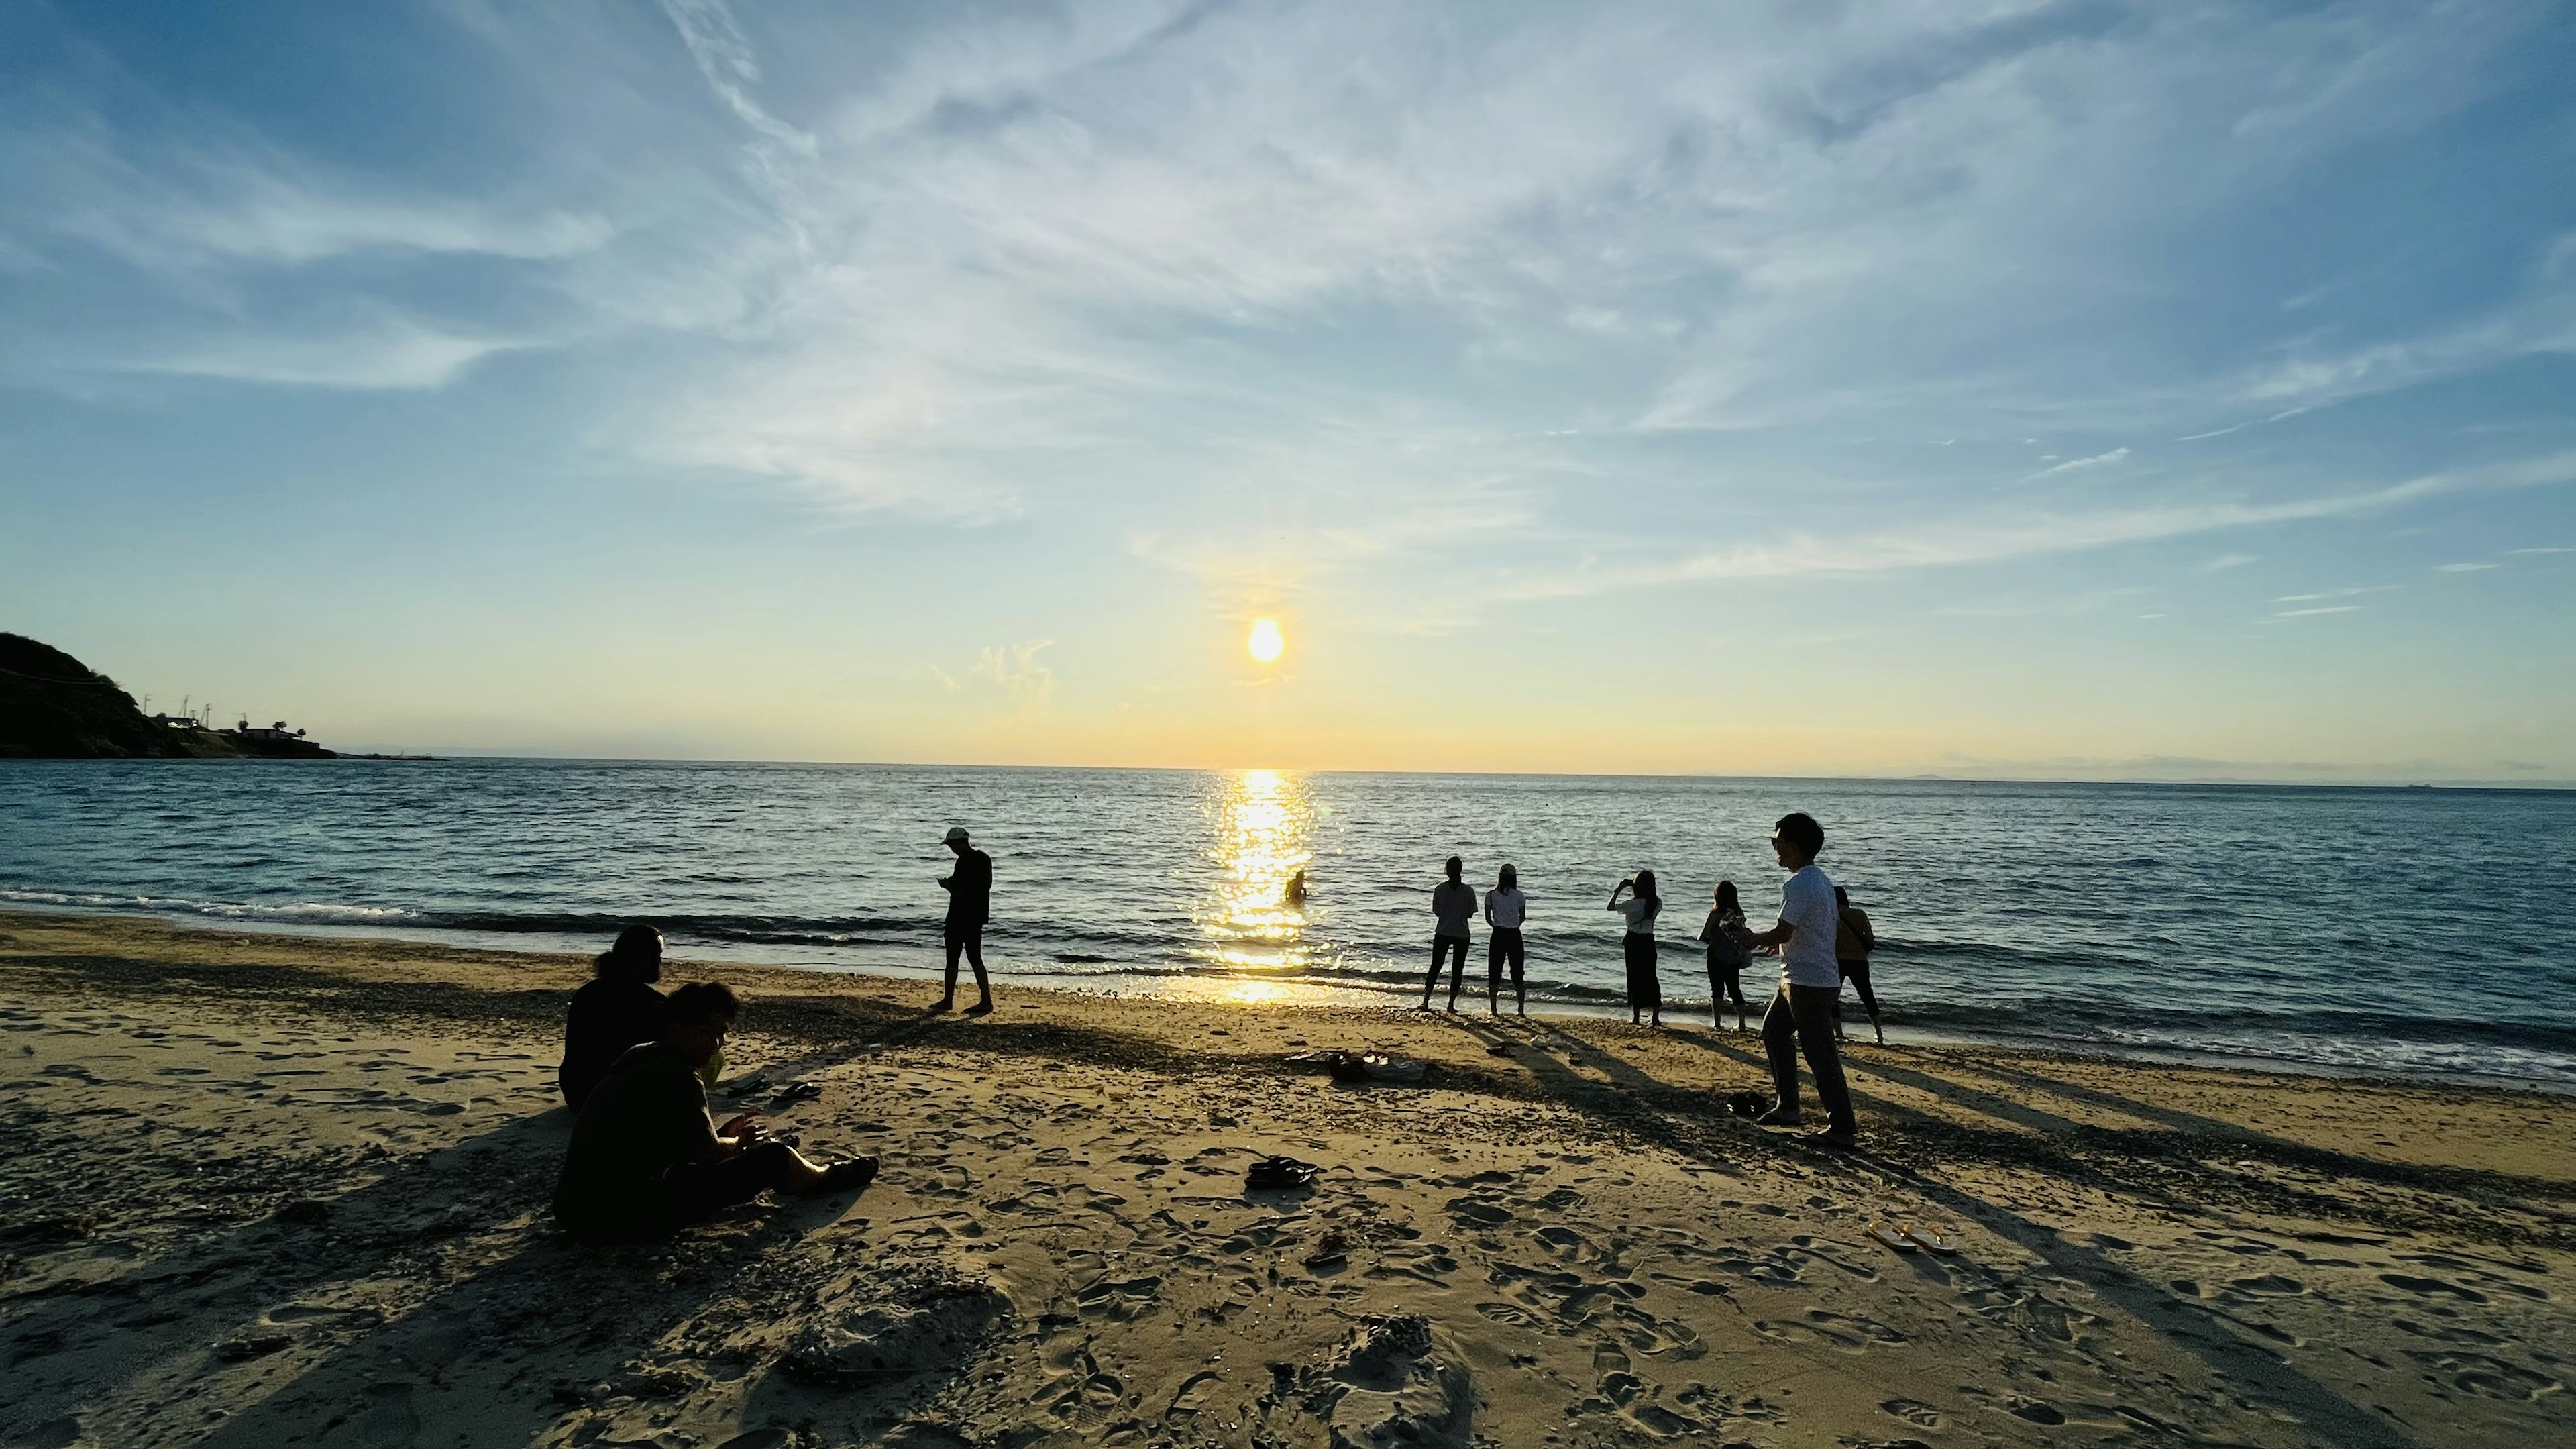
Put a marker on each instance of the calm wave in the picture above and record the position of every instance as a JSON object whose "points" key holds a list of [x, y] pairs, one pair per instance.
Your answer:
{"points": [[2383, 930]]}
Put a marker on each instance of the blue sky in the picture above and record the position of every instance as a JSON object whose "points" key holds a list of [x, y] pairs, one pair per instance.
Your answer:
{"points": [[2035, 389]]}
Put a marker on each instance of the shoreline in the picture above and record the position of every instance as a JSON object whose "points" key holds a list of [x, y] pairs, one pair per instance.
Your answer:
{"points": [[273, 1189], [1227, 988]]}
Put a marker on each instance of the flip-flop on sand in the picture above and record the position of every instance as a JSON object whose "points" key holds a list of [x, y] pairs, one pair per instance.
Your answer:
{"points": [[1940, 1243], [1892, 1235]]}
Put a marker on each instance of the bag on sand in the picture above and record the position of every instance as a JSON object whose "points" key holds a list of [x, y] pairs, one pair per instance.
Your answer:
{"points": [[1276, 1172]]}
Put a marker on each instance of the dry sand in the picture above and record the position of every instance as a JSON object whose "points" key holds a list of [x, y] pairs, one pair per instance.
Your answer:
{"points": [[261, 1191]]}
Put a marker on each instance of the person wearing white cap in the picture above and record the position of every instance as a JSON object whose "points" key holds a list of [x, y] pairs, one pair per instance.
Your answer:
{"points": [[970, 905]]}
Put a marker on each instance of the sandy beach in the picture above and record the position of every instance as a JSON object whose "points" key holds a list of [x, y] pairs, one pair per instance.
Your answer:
{"points": [[262, 1190]]}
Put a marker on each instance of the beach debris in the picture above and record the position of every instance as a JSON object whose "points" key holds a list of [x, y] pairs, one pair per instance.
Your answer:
{"points": [[250, 1346], [1279, 1172], [1354, 1068], [1499, 1049], [1388, 1383], [1331, 1248], [923, 1320]]}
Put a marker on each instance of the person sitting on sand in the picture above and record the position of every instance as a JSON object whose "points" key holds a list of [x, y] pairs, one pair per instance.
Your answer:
{"points": [[1645, 988], [1853, 941], [647, 1157], [970, 906], [1453, 905], [1727, 957], [1506, 908], [614, 1010], [1801, 1017]]}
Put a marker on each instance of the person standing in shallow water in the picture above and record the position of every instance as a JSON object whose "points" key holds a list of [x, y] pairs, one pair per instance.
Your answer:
{"points": [[1645, 988], [1853, 941], [970, 906], [1453, 904], [1801, 1017], [1727, 957], [1506, 909]]}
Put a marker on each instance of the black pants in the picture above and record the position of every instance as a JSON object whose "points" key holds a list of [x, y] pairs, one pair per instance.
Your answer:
{"points": [[1505, 946], [690, 1193], [1441, 949], [1857, 973], [700, 1190], [1801, 1018], [966, 937], [1725, 984], [1645, 989]]}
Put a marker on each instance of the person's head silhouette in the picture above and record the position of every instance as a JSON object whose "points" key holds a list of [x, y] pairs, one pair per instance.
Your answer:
{"points": [[1455, 867]]}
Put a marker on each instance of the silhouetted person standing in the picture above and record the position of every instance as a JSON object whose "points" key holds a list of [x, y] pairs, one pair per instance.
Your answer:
{"points": [[1853, 941], [1506, 909], [1637, 947], [1453, 904], [1801, 1017], [970, 905], [1727, 957]]}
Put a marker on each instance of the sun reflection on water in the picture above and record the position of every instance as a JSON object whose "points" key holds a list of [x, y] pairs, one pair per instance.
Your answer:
{"points": [[1264, 820]]}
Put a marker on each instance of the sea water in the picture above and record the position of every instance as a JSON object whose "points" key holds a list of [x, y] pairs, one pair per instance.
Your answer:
{"points": [[2393, 931]]}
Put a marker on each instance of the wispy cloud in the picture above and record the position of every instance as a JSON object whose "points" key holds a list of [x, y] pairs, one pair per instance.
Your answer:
{"points": [[2230, 561], [2098, 460], [2322, 609], [2464, 568]]}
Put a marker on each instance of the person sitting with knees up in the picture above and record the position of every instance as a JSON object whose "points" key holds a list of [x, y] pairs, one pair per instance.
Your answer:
{"points": [[647, 1157], [616, 1009]]}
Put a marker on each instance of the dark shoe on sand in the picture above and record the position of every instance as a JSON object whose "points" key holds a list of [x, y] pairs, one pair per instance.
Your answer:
{"points": [[1777, 1118], [842, 1176], [1839, 1141], [981, 1008], [946, 1003]]}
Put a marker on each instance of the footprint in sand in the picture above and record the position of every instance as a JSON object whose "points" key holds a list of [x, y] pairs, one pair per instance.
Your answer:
{"points": [[1477, 1212], [1119, 1299], [2484, 1376], [1835, 1330], [1913, 1411], [2432, 1287]]}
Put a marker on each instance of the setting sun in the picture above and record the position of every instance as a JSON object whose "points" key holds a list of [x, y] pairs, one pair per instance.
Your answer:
{"points": [[1266, 641]]}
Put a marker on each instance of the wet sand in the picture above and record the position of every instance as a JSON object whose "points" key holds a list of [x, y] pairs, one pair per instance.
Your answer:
{"points": [[263, 1190]]}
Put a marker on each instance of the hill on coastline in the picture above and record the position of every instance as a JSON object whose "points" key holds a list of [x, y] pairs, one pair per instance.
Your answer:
{"points": [[52, 706]]}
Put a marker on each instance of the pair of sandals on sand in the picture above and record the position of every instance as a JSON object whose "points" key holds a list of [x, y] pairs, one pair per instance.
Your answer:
{"points": [[1906, 1237]]}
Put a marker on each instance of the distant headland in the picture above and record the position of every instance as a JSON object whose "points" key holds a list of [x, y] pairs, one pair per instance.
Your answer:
{"points": [[53, 707]]}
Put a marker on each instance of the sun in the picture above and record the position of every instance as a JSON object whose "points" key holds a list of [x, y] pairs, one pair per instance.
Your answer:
{"points": [[1266, 642]]}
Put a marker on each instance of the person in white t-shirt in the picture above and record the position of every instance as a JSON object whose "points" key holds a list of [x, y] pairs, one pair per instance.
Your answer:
{"points": [[1801, 1017], [1506, 909]]}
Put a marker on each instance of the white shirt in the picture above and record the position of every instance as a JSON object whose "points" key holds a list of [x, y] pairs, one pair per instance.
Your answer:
{"points": [[1640, 914], [1507, 907], [1807, 902]]}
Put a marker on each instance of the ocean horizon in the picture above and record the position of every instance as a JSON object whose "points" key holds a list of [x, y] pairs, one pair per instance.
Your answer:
{"points": [[2329, 926]]}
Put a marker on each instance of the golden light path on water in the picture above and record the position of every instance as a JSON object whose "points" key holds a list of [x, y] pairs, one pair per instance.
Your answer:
{"points": [[1264, 827]]}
